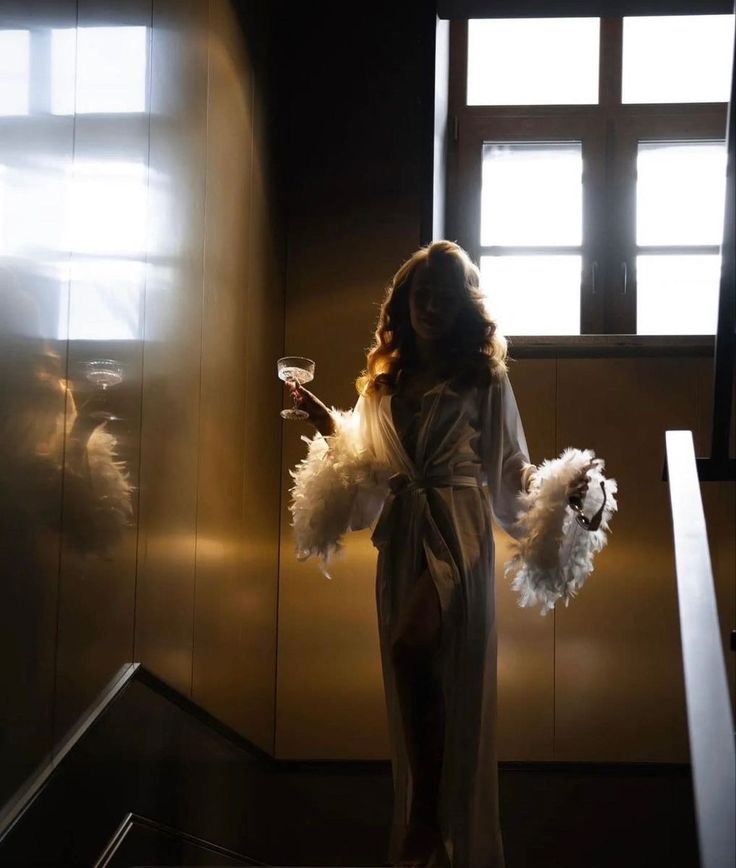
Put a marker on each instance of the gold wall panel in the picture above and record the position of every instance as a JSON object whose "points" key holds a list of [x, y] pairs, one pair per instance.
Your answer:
{"points": [[262, 442], [354, 216], [35, 162], [330, 701], [526, 639], [234, 614], [618, 688], [173, 325]]}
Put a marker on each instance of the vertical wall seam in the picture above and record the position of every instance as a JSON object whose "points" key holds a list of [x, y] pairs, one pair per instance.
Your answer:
{"points": [[281, 496], [249, 292], [201, 343], [284, 224], [139, 487], [55, 690], [554, 611]]}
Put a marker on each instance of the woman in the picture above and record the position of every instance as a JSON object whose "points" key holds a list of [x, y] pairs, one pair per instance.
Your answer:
{"points": [[436, 408]]}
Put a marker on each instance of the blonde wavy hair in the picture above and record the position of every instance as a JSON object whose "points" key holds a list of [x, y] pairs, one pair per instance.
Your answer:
{"points": [[473, 350]]}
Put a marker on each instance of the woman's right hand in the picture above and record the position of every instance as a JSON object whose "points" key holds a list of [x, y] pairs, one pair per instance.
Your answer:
{"points": [[318, 413]]}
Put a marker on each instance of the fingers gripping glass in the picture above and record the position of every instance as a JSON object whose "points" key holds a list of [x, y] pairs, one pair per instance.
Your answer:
{"points": [[591, 524], [295, 369]]}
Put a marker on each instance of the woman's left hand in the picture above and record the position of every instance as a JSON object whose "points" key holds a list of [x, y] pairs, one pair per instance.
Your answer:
{"points": [[577, 488]]}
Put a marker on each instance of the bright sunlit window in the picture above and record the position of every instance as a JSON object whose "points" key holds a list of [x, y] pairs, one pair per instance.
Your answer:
{"points": [[532, 61], [680, 199], [531, 197], [677, 59], [587, 169], [677, 294], [680, 192], [531, 194], [533, 295]]}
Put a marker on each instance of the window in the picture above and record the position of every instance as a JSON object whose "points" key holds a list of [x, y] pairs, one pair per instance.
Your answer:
{"points": [[587, 176]]}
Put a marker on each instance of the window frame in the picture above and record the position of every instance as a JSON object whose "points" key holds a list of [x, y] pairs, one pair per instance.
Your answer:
{"points": [[609, 133]]}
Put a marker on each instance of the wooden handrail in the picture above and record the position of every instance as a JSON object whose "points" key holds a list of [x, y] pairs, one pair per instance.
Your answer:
{"points": [[709, 713]]}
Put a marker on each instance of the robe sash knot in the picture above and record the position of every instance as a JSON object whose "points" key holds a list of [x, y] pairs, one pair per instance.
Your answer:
{"points": [[416, 486]]}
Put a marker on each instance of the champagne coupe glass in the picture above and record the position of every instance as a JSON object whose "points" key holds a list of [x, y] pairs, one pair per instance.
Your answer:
{"points": [[300, 370], [104, 373]]}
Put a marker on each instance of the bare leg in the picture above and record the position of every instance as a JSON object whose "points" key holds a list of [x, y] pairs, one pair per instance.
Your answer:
{"points": [[421, 700]]}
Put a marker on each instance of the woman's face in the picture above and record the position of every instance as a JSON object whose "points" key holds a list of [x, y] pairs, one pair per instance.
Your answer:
{"points": [[433, 301]]}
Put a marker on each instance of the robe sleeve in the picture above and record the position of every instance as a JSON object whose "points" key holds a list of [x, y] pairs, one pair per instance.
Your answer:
{"points": [[339, 486], [504, 452], [367, 493]]}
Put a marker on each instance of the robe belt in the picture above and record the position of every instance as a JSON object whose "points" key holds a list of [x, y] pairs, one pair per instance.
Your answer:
{"points": [[402, 483]]}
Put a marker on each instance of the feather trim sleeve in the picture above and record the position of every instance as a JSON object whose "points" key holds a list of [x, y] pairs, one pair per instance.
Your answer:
{"points": [[553, 555], [338, 487], [98, 499]]}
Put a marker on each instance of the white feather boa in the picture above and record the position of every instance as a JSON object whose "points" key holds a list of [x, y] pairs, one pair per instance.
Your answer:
{"points": [[335, 470], [554, 555]]}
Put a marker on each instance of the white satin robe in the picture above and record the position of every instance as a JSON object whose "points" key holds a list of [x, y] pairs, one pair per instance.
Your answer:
{"points": [[433, 502]]}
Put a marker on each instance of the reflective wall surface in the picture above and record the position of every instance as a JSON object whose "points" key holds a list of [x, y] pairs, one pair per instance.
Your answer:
{"points": [[141, 305]]}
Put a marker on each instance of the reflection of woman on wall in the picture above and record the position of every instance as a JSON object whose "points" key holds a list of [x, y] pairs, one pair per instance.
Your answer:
{"points": [[59, 480], [436, 409], [45, 434]]}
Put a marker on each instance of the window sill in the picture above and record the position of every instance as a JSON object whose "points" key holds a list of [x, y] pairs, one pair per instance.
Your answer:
{"points": [[609, 346]]}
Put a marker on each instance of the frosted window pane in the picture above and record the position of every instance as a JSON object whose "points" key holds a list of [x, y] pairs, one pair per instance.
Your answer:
{"points": [[533, 61], [531, 194], [677, 58], [680, 193], [14, 81], [677, 295], [111, 69], [533, 295]]}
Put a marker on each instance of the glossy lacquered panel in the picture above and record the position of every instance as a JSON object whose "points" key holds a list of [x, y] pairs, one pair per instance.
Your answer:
{"points": [[173, 326], [36, 148]]}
